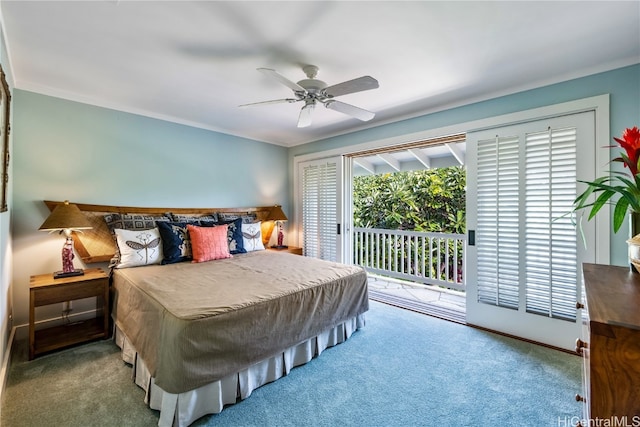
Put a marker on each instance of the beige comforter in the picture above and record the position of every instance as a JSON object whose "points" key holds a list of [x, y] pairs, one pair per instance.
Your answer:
{"points": [[197, 323]]}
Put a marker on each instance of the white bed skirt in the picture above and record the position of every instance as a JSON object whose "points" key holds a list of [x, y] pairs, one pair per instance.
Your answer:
{"points": [[183, 409]]}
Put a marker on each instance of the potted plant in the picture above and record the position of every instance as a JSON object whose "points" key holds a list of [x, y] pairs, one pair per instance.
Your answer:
{"points": [[624, 184]]}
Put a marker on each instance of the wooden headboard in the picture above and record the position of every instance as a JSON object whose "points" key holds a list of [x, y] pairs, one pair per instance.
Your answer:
{"points": [[98, 245]]}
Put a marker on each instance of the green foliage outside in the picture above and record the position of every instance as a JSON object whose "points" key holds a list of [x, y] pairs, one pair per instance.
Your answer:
{"points": [[431, 200]]}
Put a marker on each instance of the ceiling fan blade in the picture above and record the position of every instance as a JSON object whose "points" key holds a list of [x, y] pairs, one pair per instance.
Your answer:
{"points": [[304, 119], [275, 101], [351, 110], [356, 85], [282, 79]]}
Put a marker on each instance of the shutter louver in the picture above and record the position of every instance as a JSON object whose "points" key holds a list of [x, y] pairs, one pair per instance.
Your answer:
{"points": [[497, 234], [319, 210], [540, 192], [310, 210], [550, 243]]}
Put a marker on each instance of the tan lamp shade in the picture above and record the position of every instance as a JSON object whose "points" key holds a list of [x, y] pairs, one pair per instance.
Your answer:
{"points": [[66, 216], [277, 214]]}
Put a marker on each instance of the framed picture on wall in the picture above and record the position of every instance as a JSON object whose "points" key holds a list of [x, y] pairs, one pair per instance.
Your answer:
{"points": [[5, 101]]}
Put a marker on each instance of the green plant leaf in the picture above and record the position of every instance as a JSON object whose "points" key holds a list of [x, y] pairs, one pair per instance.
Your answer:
{"points": [[591, 188], [600, 201], [619, 213], [622, 190]]}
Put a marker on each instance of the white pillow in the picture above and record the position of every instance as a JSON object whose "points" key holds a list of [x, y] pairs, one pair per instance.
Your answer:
{"points": [[138, 247], [252, 237]]}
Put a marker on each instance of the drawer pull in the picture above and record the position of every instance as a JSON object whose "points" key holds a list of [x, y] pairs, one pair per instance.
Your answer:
{"points": [[579, 398], [579, 305], [580, 345]]}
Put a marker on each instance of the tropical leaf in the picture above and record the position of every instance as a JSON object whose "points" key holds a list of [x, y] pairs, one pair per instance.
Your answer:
{"points": [[600, 201], [619, 213], [410, 200]]}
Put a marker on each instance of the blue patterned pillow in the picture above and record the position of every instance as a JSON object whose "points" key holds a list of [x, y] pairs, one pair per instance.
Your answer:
{"points": [[176, 244], [191, 219], [133, 221], [234, 234], [247, 217]]}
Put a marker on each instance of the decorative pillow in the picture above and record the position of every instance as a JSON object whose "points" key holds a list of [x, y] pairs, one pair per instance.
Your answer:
{"points": [[252, 237], [194, 219], [234, 235], [176, 245], [208, 243], [138, 247], [133, 221], [247, 217]]}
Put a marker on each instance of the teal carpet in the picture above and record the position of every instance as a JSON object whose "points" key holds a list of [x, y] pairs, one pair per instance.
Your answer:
{"points": [[402, 369]]}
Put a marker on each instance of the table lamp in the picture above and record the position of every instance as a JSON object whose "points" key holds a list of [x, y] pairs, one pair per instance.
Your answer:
{"points": [[66, 218], [279, 217]]}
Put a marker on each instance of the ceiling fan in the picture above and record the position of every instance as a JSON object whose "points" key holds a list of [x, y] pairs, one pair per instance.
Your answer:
{"points": [[313, 91]]}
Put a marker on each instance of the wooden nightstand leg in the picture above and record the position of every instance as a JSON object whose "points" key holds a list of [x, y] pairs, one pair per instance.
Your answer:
{"points": [[32, 331], [105, 311]]}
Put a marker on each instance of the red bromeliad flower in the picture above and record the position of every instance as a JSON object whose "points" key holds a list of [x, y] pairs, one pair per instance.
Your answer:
{"points": [[631, 143], [617, 188]]}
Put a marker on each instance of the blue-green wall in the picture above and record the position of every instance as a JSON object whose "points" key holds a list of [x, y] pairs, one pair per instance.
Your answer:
{"points": [[86, 154], [68, 150], [622, 84]]}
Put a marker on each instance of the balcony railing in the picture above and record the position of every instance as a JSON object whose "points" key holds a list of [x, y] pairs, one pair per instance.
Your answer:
{"points": [[429, 258]]}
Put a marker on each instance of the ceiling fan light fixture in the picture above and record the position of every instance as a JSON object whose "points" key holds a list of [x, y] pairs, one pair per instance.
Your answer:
{"points": [[304, 119], [312, 90]]}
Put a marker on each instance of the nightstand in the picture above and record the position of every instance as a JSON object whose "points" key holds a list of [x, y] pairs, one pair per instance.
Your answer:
{"points": [[291, 249], [45, 290]]}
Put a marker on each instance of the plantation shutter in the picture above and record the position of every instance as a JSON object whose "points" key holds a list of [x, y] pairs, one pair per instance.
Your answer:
{"points": [[550, 244], [523, 270], [498, 221], [320, 209], [526, 242]]}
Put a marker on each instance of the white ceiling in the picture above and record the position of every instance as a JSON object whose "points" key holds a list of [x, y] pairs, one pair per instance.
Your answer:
{"points": [[195, 62]]}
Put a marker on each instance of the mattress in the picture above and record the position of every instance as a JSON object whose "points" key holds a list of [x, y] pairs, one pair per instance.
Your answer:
{"points": [[195, 323]]}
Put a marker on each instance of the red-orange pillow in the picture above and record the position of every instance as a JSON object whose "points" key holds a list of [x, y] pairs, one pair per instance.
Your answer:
{"points": [[208, 243]]}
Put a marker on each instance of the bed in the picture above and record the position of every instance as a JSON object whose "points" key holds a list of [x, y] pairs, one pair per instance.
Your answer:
{"points": [[204, 335]]}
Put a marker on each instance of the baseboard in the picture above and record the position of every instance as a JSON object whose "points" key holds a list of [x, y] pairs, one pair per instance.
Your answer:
{"points": [[504, 334]]}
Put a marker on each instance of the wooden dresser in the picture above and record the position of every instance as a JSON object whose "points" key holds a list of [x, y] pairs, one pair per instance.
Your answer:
{"points": [[610, 344]]}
